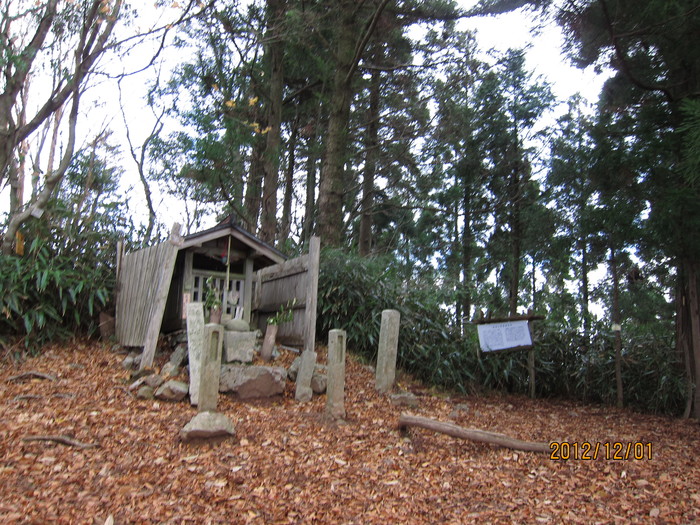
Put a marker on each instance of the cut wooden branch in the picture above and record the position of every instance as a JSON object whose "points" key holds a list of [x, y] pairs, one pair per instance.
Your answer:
{"points": [[63, 440], [471, 434], [26, 397], [32, 373]]}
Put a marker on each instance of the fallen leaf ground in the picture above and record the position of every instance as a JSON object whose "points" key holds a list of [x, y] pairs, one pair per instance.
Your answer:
{"points": [[288, 464]]}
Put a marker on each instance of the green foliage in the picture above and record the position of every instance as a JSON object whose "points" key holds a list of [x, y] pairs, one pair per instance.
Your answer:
{"points": [[66, 275], [45, 296], [212, 295], [353, 291], [284, 315]]}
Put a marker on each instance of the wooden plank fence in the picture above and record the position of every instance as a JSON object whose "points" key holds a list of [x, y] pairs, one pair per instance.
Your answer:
{"points": [[143, 282], [296, 281]]}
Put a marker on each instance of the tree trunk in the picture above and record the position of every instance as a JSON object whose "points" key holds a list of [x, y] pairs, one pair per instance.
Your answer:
{"points": [[455, 266], [253, 189], [515, 239], [310, 202], [616, 319], [332, 180], [372, 152], [349, 50], [467, 255], [271, 160], [585, 295], [693, 317], [285, 227]]}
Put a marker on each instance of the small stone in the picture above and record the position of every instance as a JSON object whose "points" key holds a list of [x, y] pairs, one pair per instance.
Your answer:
{"points": [[404, 399], [153, 380], [178, 355], [172, 391], [207, 425], [252, 381], [128, 362], [142, 373], [170, 370], [145, 392], [319, 383], [293, 369], [236, 325], [138, 383]]}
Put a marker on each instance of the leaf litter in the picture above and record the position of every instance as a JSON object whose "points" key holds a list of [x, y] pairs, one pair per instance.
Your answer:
{"points": [[289, 464]]}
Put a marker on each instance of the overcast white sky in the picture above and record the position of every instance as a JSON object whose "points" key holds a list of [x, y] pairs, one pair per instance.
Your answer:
{"points": [[514, 30]]}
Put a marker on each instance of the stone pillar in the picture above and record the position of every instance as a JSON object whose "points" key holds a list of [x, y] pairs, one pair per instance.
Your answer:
{"points": [[210, 368], [306, 372], [335, 391], [195, 345], [388, 348]]}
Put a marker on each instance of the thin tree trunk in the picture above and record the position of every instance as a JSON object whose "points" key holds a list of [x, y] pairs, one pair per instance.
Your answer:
{"points": [[455, 267], [515, 241], [467, 256], [310, 201], [585, 295], [253, 192], [616, 319], [372, 152], [683, 338], [694, 319], [285, 227]]}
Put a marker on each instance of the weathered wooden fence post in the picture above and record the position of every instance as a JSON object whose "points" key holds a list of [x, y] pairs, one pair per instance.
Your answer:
{"points": [[388, 349], [335, 391], [158, 308]]}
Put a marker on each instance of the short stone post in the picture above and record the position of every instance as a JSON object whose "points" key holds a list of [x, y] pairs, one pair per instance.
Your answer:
{"points": [[210, 368], [195, 345], [388, 348], [335, 391], [304, 392]]}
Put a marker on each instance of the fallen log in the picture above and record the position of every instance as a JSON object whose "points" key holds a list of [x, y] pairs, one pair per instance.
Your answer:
{"points": [[482, 436], [63, 440]]}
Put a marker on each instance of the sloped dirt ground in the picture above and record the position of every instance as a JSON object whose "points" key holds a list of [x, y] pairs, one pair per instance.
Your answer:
{"points": [[289, 465]]}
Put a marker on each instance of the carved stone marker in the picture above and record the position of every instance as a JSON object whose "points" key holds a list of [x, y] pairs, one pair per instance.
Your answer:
{"points": [[388, 348], [335, 390], [306, 371], [210, 368], [195, 345]]}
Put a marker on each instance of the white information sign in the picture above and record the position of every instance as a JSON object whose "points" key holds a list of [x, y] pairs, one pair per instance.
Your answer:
{"points": [[500, 336]]}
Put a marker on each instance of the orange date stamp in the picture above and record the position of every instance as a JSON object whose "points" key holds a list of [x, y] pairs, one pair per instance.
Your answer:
{"points": [[591, 451]]}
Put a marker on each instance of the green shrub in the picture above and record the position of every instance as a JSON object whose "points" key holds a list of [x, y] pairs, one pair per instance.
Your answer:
{"points": [[44, 296], [353, 291]]}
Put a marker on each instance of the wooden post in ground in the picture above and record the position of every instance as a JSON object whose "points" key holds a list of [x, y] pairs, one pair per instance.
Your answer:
{"points": [[248, 290]]}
